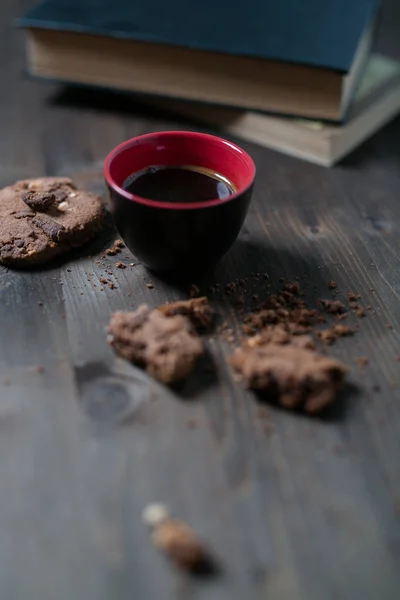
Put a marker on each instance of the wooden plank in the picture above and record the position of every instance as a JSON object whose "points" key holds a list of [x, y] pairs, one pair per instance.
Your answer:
{"points": [[294, 508]]}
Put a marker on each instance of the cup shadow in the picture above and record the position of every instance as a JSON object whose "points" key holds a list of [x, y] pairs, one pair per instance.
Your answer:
{"points": [[257, 270]]}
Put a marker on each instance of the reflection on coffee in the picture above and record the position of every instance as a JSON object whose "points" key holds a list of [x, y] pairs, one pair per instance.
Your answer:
{"points": [[179, 184]]}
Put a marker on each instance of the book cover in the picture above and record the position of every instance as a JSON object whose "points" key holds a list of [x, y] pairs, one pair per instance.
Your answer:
{"points": [[306, 32]]}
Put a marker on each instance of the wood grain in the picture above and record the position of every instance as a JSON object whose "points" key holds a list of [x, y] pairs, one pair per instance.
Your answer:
{"points": [[294, 508]]}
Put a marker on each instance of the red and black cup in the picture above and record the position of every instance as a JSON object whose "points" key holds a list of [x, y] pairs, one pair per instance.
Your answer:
{"points": [[182, 237]]}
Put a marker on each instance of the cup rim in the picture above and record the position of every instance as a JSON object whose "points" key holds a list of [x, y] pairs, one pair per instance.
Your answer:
{"points": [[177, 205]]}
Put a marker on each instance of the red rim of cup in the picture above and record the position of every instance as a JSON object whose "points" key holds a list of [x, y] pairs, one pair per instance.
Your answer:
{"points": [[195, 136]]}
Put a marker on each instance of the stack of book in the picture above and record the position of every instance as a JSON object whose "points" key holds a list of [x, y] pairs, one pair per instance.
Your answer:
{"points": [[296, 76]]}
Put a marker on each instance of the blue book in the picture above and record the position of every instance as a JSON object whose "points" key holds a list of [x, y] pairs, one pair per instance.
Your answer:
{"points": [[296, 57]]}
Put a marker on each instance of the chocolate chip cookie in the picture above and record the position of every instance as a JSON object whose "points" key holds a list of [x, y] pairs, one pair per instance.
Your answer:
{"points": [[41, 218]]}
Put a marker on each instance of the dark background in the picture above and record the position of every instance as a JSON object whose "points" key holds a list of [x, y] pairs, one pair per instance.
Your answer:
{"points": [[295, 508]]}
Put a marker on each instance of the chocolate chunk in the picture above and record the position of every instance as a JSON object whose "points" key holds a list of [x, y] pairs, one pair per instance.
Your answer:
{"points": [[22, 214], [61, 196], [52, 229], [40, 201]]}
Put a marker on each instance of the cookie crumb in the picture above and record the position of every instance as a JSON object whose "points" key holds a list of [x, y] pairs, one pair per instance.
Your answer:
{"points": [[110, 252], [342, 317], [332, 285], [333, 307], [292, 287], [328, 336], [111, 285], [177, 540], [197, 310], [120, 265], [150, 286], [362, 361], [131, 264], [119, 244], [360, 313]]}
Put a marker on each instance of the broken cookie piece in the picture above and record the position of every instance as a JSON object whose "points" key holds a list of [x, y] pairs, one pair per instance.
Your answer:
{"points": [[197, 310], [166, 346], [297, 378], [176, 539]]}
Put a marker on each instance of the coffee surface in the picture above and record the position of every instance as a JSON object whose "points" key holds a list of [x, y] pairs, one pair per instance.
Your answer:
{"points": [[179, 184]]}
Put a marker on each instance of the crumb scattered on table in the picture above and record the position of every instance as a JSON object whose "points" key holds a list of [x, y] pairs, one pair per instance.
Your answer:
{"points": [[197, 310], [176, 539], [362, 361]]}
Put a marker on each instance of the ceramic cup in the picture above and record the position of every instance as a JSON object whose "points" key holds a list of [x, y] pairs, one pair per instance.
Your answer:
{"points": [[182, 237]]}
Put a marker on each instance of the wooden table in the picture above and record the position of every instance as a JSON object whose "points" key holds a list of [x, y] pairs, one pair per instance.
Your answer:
{"points": [[301, 509]]}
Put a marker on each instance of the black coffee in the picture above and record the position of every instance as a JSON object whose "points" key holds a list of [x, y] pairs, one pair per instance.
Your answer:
{"points": [[179, 184]]}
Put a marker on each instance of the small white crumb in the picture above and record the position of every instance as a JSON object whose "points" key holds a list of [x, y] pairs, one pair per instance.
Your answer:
{"points": [[154, 514], [72, 195], [63, 206]]}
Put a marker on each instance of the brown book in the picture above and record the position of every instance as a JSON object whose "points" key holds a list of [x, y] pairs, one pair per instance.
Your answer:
{"points": [[376, 102]]}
